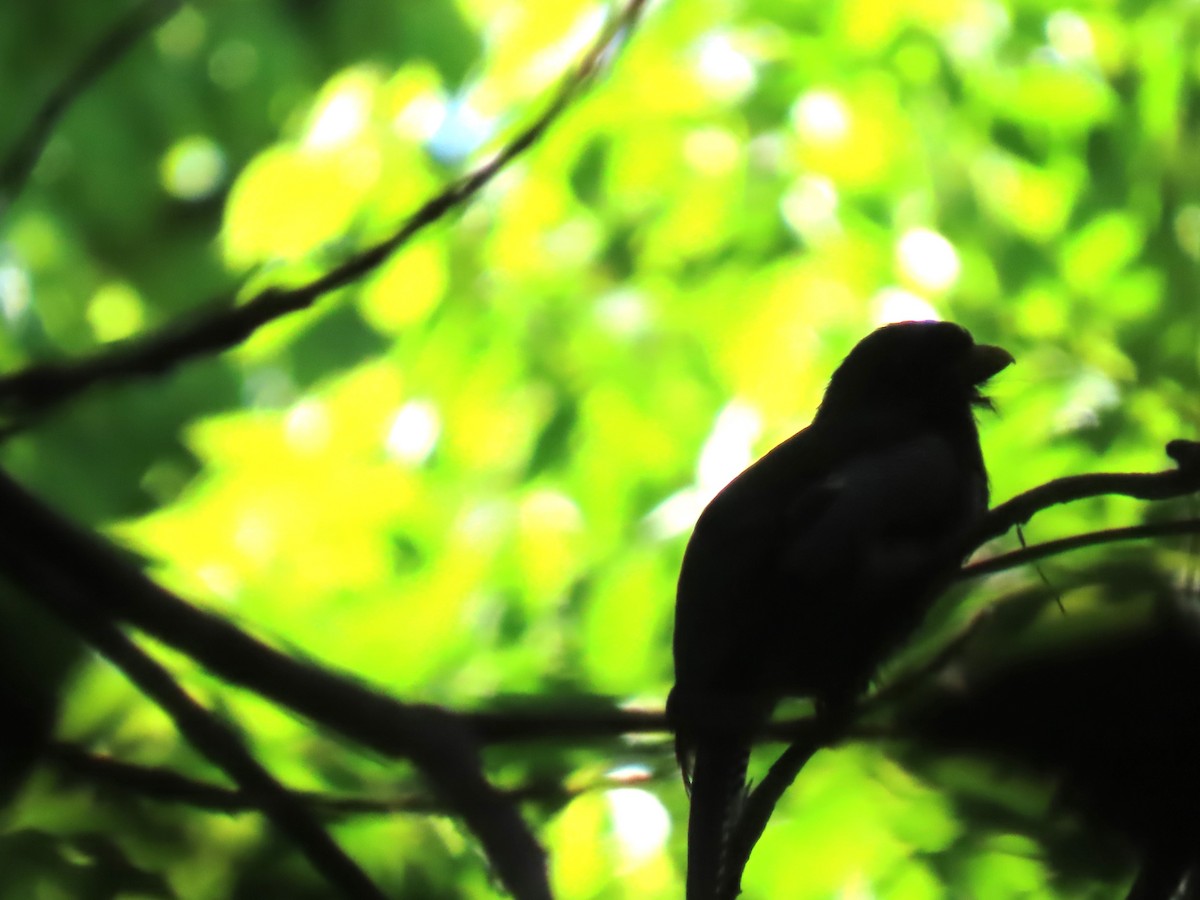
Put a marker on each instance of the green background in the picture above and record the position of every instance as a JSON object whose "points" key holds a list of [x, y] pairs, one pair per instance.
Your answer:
{"points": [[469, 477]]}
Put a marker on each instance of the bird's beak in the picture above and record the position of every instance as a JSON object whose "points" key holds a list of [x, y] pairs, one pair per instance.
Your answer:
{"points": [[985, 361]]}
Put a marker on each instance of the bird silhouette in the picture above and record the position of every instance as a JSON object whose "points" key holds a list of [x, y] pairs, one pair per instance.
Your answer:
{"points": [[821, 557]]}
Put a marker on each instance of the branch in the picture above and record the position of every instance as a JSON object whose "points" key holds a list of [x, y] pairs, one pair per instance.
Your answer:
{"points": [[42, 386], [1035, 552], [49, 583], [563, 722], [1178, 482], [107, 52], [167, 786], [436, 741]]}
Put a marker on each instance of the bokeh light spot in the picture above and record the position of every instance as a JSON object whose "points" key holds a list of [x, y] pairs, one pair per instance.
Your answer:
{"points": [[414, 432], [115, 311], [193, 168], [928, 259]]}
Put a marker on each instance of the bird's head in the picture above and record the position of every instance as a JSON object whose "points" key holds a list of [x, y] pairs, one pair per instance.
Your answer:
{"points": [[915, 365]]}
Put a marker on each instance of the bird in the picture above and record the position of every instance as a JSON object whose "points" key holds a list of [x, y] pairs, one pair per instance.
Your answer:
{"points": [[805, 570]]}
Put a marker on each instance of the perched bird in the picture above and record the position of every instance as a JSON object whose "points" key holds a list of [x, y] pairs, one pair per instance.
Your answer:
{"points": [[820, 558]]}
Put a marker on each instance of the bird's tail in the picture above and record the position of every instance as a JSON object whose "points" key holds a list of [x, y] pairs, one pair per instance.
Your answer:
{"points": [[718, 788]]}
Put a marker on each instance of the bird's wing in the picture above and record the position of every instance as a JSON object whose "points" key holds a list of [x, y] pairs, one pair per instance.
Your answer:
{"points": [[812, 536], [853, 580], [905, 500], [730, 558], [778, 595]]}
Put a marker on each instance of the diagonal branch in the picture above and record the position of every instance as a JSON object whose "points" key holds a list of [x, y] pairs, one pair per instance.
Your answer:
{"points": [[437, 741], [42, 386], [48, 581], [107, 52]]}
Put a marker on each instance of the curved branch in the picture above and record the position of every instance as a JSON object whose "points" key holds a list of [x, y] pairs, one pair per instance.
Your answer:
{"points": [[48, 582], [436, 741], [1035, 552], [45, 385], [1178, 482], [18, 163]]}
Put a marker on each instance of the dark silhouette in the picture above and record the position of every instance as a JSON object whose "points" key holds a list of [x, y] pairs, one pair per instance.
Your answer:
{"points": [[1115, 716], [821, 557]]}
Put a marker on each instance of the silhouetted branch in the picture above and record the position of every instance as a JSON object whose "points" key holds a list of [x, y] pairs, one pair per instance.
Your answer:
{"points": [[167, 786], [1178, 482], [559, 721], [41, 386], [109, 50], [440, 745], [49, 581], [1034, 552]]}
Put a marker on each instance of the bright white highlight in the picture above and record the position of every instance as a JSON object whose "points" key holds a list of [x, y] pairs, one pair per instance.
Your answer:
{"points": [[623, 312], [306, 427], [928, 260], [728, 450], [640, 822], [421, 117], [414, 432], [340, 119], [821, 116], [895, 304], [15, 291], [723, 69]]}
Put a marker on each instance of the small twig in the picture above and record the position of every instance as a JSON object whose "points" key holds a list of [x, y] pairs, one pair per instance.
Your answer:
{"points": [[42, 386], [48, 581], [107, 52]]}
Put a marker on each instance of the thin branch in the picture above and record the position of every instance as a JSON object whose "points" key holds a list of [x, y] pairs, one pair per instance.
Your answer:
{"points": [[1178, 482], [558, 721], [167, 786], [1034, 552], [42, 386], [49, 582], [112, 47], [436, 741]]}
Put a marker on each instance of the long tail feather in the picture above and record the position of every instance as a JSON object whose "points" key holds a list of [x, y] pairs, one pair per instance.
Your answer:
{"points": [[718, 784]]}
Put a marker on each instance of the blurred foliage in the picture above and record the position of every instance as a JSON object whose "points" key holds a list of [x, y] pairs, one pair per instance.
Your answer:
{"points": [[472, 474]]}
